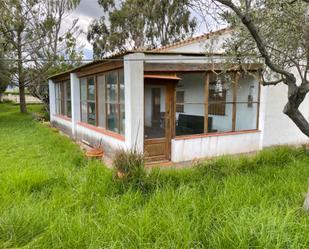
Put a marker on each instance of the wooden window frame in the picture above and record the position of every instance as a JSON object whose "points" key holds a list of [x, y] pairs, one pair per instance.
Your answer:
{"points": [[118, 103], [62, 98], [68, 99], [182, 104], [92, 101], [236, 78], [219, 110]]}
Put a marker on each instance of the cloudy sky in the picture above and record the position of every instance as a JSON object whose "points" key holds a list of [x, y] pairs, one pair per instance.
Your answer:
{"points": [[89, 10], [85, 12]]}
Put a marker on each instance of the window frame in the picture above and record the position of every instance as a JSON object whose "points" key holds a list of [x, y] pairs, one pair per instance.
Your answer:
{"points": [[117, 102], [235, 78], [180, 104], [62, 99], [68, 99], [94, 101]]}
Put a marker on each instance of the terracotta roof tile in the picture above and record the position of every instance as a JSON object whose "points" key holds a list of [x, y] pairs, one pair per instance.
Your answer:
{"points": [[193, 39]]}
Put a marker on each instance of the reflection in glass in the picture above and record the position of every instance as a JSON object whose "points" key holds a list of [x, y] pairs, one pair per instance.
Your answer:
{"points": [[84, 112], [220, 103], [91, 114], [112, 117], [122, 119], [91, 89], [101, 101], [112, 89], [154, 111], [121, 86]]}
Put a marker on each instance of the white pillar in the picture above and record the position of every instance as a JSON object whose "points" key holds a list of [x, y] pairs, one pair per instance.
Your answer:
{"points": [[75, 102], [134, 101], [52, 99], [262, 114]]}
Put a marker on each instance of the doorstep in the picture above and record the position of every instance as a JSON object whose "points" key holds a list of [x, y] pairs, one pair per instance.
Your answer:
{"points": [[160, 164]]}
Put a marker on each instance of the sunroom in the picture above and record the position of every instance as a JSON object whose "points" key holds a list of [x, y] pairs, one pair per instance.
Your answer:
{"points": [[171, 107]]}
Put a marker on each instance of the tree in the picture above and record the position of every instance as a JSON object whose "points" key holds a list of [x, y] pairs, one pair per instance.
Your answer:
{"points": [[30, 29], [59, 50], [276, 32], [136, 24], [4, 74]]}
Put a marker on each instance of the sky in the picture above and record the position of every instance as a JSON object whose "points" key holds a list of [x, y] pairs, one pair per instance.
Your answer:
{"points": [[89, 10]]}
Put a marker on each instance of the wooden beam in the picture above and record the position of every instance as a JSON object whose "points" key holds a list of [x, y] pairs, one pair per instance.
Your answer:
{"points": [[195, 67], [96, 101], [206, 101], [99, 68], [61, 78], [235, 88], [259, 77]]}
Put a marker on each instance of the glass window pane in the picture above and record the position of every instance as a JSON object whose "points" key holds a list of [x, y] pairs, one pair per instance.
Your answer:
{"points": [[101, 101], [91, 114], [246, 116], [69, 112], [83, 89], [112, 88], [121, 86], [62, 97], [220, 103], [247, 89], [155, 111], [91, 89], [190, 108], [122, 119], [68, 85], [112, 117], [57, 93], [247, 103], [84, 112]]}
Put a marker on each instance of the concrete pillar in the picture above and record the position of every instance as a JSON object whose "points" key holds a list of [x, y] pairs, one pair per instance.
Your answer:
{"points": [[134, 101], [52, 99], [75, 102]]}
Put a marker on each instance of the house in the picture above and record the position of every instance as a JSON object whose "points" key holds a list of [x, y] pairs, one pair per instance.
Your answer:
{"points": [[174, 103]]}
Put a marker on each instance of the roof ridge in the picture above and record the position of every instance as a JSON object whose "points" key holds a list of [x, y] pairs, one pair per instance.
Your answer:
{"points": [[193, 39]]}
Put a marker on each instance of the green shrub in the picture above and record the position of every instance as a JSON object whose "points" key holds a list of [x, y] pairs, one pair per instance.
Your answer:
{"points": [[130, 168]]}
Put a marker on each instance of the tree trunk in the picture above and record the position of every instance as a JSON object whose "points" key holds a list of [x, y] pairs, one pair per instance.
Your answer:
{"points": [[22, 98], [299, 120], [296, 96], [21, 83]]}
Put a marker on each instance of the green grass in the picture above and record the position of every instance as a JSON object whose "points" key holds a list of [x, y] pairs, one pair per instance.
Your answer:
{"points": [[52, 197]]}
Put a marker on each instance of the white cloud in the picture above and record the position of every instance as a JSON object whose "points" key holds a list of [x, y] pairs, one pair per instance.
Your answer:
{"points": [[86, 12]]}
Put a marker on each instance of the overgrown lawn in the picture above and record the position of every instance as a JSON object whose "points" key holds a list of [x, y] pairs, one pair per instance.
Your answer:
{"points": [[52, 197]]}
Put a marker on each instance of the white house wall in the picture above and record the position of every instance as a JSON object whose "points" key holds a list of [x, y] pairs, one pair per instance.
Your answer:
{"points": [[62, 124], [278, 128], [211, 146], [110, 144]]}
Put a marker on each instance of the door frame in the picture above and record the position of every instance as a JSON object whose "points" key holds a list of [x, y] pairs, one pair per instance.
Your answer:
{"points": [[170, 105]]}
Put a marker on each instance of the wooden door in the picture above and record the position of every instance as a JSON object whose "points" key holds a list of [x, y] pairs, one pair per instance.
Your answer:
{"points": [[158, 120]]}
